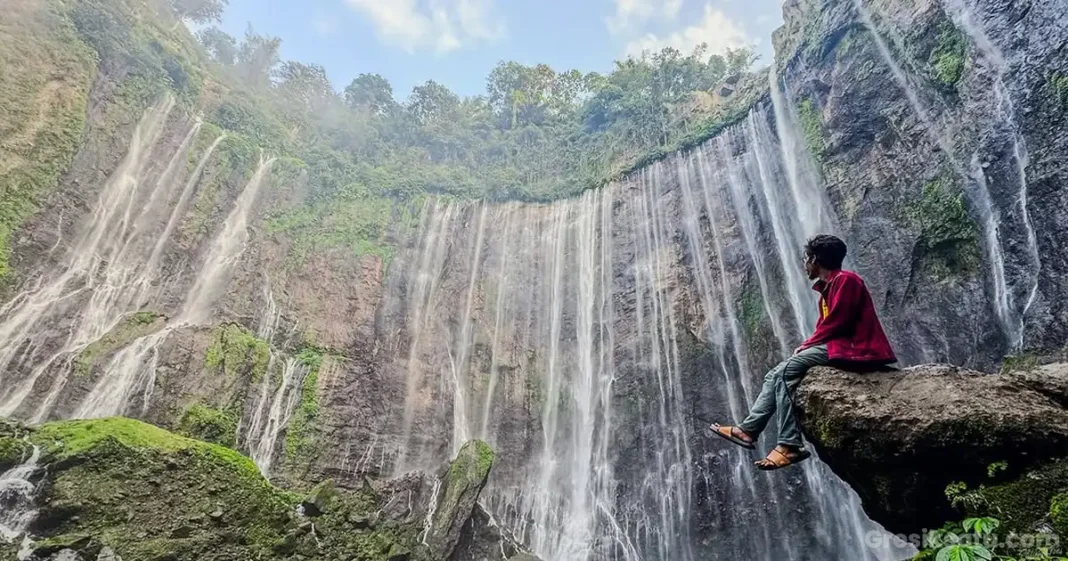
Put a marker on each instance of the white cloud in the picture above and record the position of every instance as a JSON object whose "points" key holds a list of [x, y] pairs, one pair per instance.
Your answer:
{"points": [[324, 25], [715, 28], [632, 13], [442, 25]]}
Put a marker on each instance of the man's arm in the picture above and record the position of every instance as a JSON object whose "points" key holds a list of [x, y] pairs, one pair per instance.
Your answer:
{"points": [[843, 300]]}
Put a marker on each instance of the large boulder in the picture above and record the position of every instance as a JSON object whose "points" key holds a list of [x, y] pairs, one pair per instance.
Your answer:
{"points": [[900, 438], [457, 496]]}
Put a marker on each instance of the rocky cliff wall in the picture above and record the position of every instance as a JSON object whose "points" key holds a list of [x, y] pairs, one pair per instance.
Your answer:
{"points": [[589, 340]]}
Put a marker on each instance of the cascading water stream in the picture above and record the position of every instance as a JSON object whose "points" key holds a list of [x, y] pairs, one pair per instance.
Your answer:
{"points": [[1008, 310], [1004, 119], [133, 369], [17, 492], [108, 271], [566, 322]]}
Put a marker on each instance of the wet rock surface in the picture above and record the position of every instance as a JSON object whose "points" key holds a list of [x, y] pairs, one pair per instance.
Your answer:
{"points": [[120, 488], [900, 438]]}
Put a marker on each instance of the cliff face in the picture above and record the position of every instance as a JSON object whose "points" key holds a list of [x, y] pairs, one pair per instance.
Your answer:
{"points": [[901, 439], [936, 127], [590, 340]]}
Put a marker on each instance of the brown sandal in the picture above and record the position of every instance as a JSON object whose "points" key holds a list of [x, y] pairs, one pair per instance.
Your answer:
{"points": [[727, 433], [777, 459]]}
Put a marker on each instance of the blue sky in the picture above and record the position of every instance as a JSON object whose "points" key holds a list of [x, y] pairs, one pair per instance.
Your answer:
{"points": [[458, 42]]}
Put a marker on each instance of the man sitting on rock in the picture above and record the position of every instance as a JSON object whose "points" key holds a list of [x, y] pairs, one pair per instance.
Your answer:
{"points": [[848, 333]]}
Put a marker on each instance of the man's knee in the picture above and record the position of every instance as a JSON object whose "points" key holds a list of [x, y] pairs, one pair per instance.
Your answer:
{"points": [[796, 366]]}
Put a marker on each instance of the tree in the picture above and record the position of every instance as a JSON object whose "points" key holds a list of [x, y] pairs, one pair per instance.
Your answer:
{"points": [[304, 84], [258, 58], [432, 102], [220, 45], [370, 92], [200, 11]]}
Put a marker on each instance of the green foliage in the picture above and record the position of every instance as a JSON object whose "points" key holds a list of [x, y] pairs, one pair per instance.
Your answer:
{"points": [[130, 328], [209, 424], [235, 351], [811, 122], [995, 468], [946, 61], [949, 238], [42, 111], [964, 552], [302, 432], [1057, 82], [1023, 362]]}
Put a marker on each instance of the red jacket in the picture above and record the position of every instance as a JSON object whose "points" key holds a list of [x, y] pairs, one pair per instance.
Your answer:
{"points": [[848, 324]]}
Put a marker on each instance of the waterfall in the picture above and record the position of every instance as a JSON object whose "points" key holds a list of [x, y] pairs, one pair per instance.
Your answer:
{"points": [[17, 497], [1011, 298], [1003, 123], [133, 368], [109, 271], [270, 417], [588, 339]]}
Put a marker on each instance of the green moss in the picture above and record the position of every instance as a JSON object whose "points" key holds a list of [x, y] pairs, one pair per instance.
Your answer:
{"points": [[949, 238], [12, 452], [209, 424], [236, 351], [303, 431], [751, 312], [130, 328], [811, 122], [1023, 362], [946, 62], [42, 110], [1057, 83], [465, 477]]}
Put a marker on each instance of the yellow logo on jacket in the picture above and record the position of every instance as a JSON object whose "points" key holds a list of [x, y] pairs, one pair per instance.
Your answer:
{"points": [[824, 309]]}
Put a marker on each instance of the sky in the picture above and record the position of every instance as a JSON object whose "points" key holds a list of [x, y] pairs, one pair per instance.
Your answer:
{"points": [[458, 42]]}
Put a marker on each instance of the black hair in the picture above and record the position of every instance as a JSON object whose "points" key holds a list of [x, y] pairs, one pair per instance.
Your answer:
{"points": [[828, 251]]}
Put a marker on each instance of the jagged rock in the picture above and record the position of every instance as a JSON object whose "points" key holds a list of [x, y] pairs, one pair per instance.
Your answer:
{"points": [[318, 500], [483, 539], [524, 557], [900, 438], [457, 497], [108, 554]]}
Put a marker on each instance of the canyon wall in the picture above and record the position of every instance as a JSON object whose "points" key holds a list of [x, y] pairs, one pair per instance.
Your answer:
{"points": [[590, 341]]}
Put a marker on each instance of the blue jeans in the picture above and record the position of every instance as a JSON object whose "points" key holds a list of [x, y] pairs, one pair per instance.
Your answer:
{"points": [[780, 385]]}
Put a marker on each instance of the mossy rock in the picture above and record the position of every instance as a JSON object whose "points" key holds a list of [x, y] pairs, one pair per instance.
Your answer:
{"points": [[463, 482], [209, 424], [152, 495], [1027, 503], [131, 327], [13, 451]]}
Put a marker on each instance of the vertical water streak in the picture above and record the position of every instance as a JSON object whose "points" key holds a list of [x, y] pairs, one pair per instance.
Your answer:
{"points": [[17, 509], [461, 429], [133, 369], [96, 268], [974, 179], [263, 433], [740, 193], [760, 138], [1005, 118], [224, 252], [498, 325], [737, 341]]}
